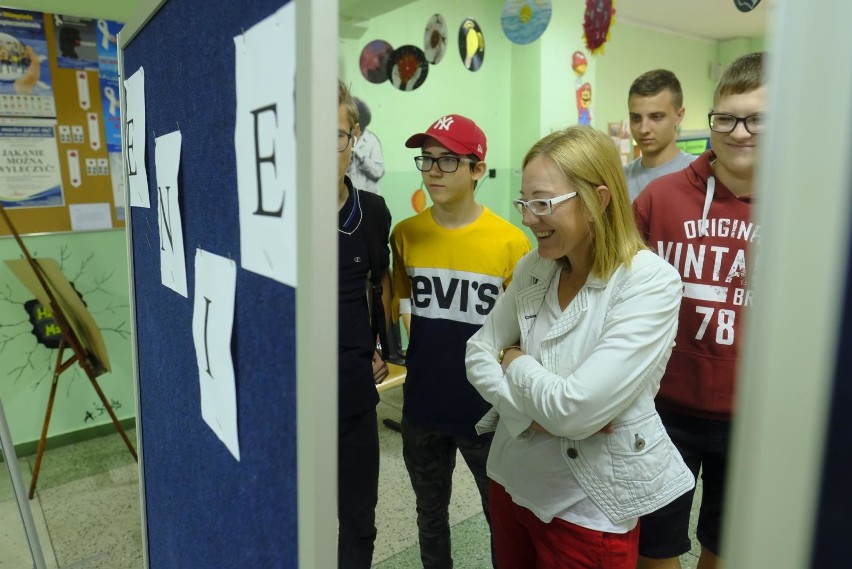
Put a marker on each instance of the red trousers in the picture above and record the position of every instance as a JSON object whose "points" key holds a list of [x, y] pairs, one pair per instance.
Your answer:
{"points": [[522, 541]]}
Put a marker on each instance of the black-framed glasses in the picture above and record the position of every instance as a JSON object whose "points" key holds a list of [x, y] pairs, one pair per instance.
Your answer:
{"points": [[540, 207], [446, 164], [343, 139], [724, 123]]}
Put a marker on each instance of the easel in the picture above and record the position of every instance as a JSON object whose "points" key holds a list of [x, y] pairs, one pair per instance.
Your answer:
{"points": [[87, 360]]}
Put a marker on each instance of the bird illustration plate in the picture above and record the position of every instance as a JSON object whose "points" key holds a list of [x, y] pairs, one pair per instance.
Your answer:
{"points": [[471, 44]]}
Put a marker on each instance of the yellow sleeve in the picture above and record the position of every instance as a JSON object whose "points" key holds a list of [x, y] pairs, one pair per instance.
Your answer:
{"points": [[401, 284], [521, 247]]}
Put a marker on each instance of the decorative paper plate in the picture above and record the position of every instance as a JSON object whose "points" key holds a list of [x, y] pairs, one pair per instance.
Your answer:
{"points": [[435, 39], [524, 21], [596, 23], [374, 59], [407, 68], [471, 44], [746, 5]]}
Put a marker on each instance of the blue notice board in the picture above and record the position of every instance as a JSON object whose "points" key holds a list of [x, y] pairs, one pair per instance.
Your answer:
{"points": [[204, 509]]}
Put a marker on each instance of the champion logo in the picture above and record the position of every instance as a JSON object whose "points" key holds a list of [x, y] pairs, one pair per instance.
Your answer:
{"points": [[357, 259], [479, 148], [443, 123]]}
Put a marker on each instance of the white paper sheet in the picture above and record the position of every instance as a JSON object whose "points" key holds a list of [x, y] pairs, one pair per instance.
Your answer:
{"points": [[134, 140], [172, 256], [265, 141], [212, 324], [30, 173], [90, 216]]}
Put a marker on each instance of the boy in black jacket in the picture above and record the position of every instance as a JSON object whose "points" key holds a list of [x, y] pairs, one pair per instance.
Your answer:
{"points": [[363, 228]]}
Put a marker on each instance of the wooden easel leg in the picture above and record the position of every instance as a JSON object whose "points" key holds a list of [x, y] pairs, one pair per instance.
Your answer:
{"points": [[118, 426], [43, 439]]}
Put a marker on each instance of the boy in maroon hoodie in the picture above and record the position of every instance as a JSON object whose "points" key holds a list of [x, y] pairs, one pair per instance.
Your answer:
{"points": [[699, 220]]}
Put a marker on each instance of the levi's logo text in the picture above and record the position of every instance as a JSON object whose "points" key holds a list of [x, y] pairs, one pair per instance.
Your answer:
{"points": [[453, 295], [443, 123], [711, 260]]}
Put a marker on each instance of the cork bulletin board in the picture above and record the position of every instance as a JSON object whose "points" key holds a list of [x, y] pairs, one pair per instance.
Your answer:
{"points": [[60, 124]]}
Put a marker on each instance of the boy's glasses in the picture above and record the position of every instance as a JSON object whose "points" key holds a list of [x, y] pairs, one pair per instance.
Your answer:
{"points": [[343, 139], [446, 164], [540, 207], [724, 123]]}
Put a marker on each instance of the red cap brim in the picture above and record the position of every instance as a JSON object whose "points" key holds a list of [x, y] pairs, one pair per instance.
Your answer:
{"points": [[417, 140]]}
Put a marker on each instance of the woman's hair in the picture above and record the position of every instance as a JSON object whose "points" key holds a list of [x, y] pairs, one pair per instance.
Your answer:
{"points": [[345, 98], [588, 159]]}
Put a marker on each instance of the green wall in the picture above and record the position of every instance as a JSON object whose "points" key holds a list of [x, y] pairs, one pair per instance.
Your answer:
{"points": [[96, 263], [558, 87], [732, 49], [449, 88], [521, 92], [633, 50]]}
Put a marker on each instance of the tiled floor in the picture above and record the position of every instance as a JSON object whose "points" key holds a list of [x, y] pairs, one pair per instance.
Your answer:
{"points": [[86, 508]]}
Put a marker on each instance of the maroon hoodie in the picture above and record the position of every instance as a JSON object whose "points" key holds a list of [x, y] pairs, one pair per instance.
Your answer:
{"points": [[695, 223]]}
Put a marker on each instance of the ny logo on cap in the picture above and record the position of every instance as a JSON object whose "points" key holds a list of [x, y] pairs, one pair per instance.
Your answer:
{"points": [[443, 123]]}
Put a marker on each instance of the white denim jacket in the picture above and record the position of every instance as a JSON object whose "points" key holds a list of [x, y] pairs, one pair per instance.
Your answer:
{"points": [[601, 364]]}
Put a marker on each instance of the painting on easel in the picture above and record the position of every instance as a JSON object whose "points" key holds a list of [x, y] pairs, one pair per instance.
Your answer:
{"points": [[75, 311]]}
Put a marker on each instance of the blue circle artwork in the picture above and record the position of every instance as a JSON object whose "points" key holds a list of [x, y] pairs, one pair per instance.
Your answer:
{"points": [[524, 21]]}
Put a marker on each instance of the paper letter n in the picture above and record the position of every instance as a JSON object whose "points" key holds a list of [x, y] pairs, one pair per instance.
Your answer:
{"points": [[165, 219]]}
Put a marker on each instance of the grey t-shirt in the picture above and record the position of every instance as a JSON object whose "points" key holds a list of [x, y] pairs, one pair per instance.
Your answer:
{"points": [[638, 176]]}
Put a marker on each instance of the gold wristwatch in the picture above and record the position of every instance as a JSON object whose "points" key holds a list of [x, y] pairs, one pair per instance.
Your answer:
{"points": [[502, 353]]}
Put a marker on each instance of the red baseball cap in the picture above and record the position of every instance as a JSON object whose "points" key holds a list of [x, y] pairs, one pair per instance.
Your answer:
{"points": [[459, 134]]}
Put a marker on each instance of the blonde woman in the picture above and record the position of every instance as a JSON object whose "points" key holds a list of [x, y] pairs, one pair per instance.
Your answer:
{"points": [[570, 358]]}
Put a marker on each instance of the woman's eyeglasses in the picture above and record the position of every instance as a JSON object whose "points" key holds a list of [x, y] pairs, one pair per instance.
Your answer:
{"points": [[540, 207]]}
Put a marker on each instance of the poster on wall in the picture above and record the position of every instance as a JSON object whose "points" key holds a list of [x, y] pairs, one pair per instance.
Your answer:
{"points": [[29, 164], [76, 40], [582, 88], [108, 73], [25, 83]]}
